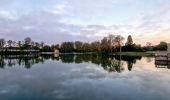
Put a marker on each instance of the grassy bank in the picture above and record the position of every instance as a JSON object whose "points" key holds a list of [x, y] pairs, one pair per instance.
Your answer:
{"points": [[17, 53], [135, 54], [117, 53]]}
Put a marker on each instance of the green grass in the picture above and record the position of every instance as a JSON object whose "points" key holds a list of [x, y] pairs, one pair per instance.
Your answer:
{"points": [[135, 54]]}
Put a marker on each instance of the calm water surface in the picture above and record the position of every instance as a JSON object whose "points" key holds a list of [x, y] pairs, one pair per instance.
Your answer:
{"points": [[83, 77]]}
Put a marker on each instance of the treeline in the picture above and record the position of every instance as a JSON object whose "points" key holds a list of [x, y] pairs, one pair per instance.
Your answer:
{"points": [[162, 46], [107, 44], [22, 60], [111, 43], [26, 44]]}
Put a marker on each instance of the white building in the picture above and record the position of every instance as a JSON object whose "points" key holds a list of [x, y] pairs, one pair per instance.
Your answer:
{"points": [[56, 51]]}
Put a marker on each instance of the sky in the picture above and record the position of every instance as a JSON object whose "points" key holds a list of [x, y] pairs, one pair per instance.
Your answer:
{"points": [[55, 21]]}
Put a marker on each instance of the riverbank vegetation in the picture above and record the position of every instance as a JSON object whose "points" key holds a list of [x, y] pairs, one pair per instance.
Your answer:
{"points": [[109, 44]]}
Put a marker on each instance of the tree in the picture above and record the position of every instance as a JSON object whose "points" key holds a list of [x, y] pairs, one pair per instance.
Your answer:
{"points": [[130, 46], [57, 46], [105, 45], [67, 47], [119, 41], [46, 48], [28, 41], [95, 46], [14, 43], [2, 43], [111, 44], [86, 47], [32, 43], [129, 41], [37, 44], [42, 44], [161, 46], [78, 46], [9, 43], [149, 46], [19, 44]]}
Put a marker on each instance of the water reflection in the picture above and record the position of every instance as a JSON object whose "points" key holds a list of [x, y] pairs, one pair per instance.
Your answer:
{"points": [[109, 63], [71, 77], [162, 64], [22, 60]]}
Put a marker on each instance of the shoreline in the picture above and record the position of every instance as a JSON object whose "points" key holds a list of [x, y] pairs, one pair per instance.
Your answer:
{"points": [[149, 53]]}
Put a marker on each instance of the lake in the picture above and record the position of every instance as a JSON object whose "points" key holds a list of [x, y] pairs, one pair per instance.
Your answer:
{"points": [[83, 77]]}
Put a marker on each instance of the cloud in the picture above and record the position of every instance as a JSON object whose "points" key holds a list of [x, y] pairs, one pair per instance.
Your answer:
{"points": [[60, 8], [8, 14], [44, 26], [56, 21]]}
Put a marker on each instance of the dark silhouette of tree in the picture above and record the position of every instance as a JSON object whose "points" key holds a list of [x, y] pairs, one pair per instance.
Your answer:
{"points": [[130, 65], [105, 45], [28, 40], [129, 41], [67, 58], [2, 62], [86, 47], [57, 46], [161, 46], [46, 49], [78, 46], [67, 47], [95, 46], [2, 43], [9, 43]]}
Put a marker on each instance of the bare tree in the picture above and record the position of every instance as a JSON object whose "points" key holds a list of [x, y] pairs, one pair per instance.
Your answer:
{"points": [[19, 44], [28, 41], [2, 43], [119, 41], [129, 41], [42, 44], [9, 43]]}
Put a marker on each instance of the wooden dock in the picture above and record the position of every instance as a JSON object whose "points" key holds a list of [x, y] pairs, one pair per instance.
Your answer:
{"points": [[162, 64], [162, 60], [164, 57]]}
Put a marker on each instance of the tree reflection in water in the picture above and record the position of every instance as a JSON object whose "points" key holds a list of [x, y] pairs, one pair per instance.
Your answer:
{"points": [[109, 63], [22, 60]]}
